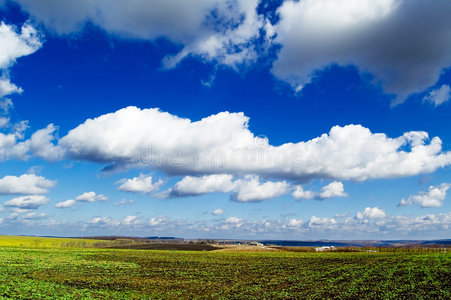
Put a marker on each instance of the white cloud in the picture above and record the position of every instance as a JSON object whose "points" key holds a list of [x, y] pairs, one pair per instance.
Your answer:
{"points": [[9, 148], [85, 197], [66, 204], [248, 189], [321, 223], [91, 197], [295, 223], [300, 193], [232, 223], [25, 217], [217, 212], [371, 213], [141, 184], [192, 186], [27, 202], [129, 220], [25, 184], [102, 222], [404, 44], [15, 45], [439, 96], [157, 221], [433, 197], [334, 189], [252, 190], [222, 143], [7, 88], [233, 220], [216, 30], [39, 145]]}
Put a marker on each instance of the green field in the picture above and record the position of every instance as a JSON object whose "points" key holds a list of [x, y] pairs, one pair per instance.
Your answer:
{"points": [[55, 273], [45, 242]]}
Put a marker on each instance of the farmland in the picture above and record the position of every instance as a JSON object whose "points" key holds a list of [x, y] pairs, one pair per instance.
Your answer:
{"points": [[64, 272]]}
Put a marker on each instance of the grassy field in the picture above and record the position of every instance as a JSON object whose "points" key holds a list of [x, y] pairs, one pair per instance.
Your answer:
{"points": [[71, 273], [46, 242]]}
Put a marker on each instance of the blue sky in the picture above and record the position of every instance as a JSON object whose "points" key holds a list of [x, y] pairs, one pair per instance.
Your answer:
{"points": [[237, 119]]}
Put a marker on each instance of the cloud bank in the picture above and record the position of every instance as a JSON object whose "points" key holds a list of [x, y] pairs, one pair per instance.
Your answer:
{"points": [[222, 143], [371, 222]]}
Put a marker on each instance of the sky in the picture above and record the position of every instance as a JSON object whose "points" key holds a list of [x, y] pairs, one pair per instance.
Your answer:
{"points": [[302, 120]]}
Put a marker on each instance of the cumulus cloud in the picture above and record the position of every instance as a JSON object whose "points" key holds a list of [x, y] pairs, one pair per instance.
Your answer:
{"points": [[85, 197], [25, 217], [300, 193], [27, 202], [216, 30], [66, 204], [222, 143], [252, 190], [295, 223], [248, 189], [193, 186], [439, 96], [232, 223], [25, 184], [332, 190], [39, 145], [91, 197], [321, 223], [141, 184], [217, 212], [371, 213], [14, 45], [233, 220], [433, 197], [157, 221], [404, 44]]}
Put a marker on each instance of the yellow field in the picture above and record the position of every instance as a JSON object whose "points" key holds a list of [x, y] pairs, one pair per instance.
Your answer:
{"points": [[45, 242]]}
